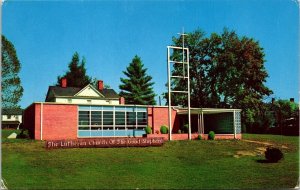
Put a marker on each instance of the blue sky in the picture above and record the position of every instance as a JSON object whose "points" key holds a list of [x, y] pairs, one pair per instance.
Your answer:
{"points": [[110, 33]]}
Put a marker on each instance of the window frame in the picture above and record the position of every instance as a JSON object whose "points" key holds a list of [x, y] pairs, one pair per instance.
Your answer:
{"points": [[117, 114]]}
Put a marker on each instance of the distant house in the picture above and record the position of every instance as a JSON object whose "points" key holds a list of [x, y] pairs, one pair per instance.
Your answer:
{"points": [[87, 95], [11, 118]]}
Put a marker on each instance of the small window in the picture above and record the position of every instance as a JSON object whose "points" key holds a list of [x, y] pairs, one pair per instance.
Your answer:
{"points": [[17, 117], [69, 100], [8, 116], [89, 101]]}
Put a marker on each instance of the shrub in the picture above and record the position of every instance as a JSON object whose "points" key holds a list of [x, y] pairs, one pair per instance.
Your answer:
{"points": [[148, 130], [185, 128], [273, 154], [199, 137], [23, 135], [164, 129], [211, 135]]}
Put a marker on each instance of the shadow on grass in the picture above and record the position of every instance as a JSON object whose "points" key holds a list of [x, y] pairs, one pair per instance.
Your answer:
{"points": [[264, 161]]}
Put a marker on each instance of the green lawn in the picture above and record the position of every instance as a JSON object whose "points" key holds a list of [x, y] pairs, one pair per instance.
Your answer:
{"points": [[6, 132], [177, 164]]}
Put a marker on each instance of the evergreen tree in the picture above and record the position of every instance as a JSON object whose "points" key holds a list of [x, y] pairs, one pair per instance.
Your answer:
{"points": [[76, 76], [12, 91], [137, 89]]}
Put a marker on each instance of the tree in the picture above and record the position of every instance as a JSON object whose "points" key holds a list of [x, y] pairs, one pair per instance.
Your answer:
{"points": [[286, 114], [137, 88], [226, 71], [76, 76], [12, 90]]}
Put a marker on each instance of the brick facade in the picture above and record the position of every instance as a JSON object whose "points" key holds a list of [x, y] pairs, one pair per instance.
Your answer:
{"points": [[158, 116], [58, 121], [29, 120]]}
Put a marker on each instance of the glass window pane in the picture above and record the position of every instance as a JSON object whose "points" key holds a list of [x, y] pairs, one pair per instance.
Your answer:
{"points": [[96, 128], [84, 118], [120, 118], [131, 118], [130, 109], [142, 118], [108, 118], [84, 127], [96, 117], [109, 127], [130, 127], [141, 114], [142, 122]]}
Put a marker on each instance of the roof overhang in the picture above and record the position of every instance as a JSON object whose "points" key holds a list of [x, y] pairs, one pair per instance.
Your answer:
{"points": [[10, 122], [87, 104], [194, 111]]}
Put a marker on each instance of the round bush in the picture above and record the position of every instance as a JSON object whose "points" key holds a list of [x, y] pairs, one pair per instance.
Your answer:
{"points": [[148, 130], [199, 137], [164, 129], [211, 135], [273, 154]]}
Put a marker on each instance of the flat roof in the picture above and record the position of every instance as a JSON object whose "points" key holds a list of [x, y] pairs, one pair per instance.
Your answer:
{"points": [[184, 111], [89, 104], [180, 110]]}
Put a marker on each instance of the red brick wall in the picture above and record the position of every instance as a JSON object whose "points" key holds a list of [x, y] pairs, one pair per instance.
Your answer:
{"points": [[37, 122], [31, 120], [158, 116], [59, 121], [28, 120]]}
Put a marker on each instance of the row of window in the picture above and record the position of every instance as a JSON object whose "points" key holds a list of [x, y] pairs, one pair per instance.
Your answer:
{"points": [[108, 118], [111, 118], [111, 121], [106, 128]]}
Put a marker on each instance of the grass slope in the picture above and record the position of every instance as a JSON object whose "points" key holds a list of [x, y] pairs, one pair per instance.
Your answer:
{"points": [[177, 164]]}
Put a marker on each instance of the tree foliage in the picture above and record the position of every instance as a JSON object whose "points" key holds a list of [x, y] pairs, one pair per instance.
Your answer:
{"points": [[12, 90], [226, 71], [137, 88], [283, 116], [76, 76]]}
